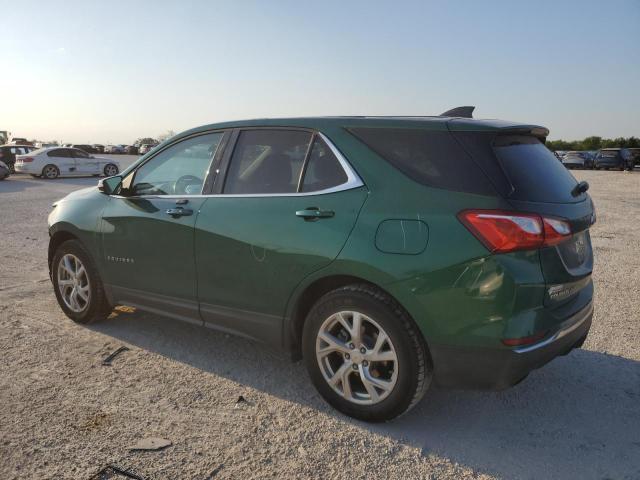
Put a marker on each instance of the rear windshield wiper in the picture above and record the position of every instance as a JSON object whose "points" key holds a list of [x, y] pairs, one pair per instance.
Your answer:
{"points": [[581, 187]]}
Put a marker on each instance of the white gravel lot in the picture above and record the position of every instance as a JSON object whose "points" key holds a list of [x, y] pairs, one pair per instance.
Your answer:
{"points": [[64, 415]]}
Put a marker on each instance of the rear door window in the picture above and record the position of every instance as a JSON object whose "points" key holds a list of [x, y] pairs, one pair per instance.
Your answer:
{"points": [[267, 162], [79, 153], [534, 171], [323, 169], [433, 158]]}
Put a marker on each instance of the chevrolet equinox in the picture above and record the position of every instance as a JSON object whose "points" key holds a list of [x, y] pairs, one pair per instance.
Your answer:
{"points": [[387, 252]]}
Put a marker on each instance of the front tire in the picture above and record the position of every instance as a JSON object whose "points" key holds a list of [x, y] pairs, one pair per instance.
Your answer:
{"points": [[77, 284], [364, 354], [110, 170]]}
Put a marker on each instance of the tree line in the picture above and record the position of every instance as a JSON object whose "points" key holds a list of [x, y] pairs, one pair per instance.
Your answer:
{"points": [[594, 143]]}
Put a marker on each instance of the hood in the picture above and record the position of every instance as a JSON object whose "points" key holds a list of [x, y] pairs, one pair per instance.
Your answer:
{"points": [[80, 194]]}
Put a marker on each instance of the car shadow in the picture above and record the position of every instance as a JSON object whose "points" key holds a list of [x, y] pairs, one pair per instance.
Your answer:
{"points": [[578, 417]]}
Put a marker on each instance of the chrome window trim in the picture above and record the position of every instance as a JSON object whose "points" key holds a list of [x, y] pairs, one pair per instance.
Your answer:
{"points": [[353, 181]]}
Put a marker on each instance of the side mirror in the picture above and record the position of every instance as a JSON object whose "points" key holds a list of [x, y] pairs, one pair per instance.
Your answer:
{"points": [[110, 184]]}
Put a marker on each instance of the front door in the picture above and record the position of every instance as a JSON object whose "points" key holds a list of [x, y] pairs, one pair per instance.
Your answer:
{"points": [[85, 164], [63, 159], [286, 210], [147, 231]]}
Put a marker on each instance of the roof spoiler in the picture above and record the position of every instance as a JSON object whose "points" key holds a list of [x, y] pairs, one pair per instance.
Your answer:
{"points": [[463, 112]]}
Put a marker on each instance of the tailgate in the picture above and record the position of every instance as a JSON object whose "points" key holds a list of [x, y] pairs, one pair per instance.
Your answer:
{"points": [[567, 266]]}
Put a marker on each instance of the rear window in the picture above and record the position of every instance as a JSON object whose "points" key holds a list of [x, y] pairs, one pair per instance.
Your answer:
{"points": [[433, 158], [533, 170]]}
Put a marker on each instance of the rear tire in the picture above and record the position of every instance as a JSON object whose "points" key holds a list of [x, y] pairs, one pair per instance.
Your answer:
{"points": [[50, 172], [400, 365], [73, 271]]}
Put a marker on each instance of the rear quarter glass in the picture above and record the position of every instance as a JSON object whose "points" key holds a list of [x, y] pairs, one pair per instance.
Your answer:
{"points": [[432, 158]]}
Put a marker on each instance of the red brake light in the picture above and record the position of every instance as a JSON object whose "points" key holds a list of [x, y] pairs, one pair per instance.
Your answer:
{"points": [[26, 159], [501, 231], [555, 231]]}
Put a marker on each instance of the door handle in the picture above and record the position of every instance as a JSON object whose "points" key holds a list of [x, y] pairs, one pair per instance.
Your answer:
{"points": [[179, 212], [313, 213]]}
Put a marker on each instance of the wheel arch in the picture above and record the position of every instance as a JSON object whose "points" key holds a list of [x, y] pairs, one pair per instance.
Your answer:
{"points": [[310, 294], [56, 239]]}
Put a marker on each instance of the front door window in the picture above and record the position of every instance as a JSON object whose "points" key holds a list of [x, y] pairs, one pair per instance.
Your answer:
{"points": [[178, 170]]}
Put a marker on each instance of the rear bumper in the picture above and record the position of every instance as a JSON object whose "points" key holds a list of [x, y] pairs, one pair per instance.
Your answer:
{"points": [[500, 368], [24, 168]]}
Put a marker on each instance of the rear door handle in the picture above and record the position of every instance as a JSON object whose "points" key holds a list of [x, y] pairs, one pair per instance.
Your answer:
{"points": [[179, 212], [313, 213]]}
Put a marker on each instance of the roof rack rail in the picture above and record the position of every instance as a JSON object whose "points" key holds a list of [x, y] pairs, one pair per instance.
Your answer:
{"points": [[464, 112]]}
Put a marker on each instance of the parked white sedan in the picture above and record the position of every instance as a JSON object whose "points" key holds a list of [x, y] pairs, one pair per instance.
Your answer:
{"points": [[59, 161]]}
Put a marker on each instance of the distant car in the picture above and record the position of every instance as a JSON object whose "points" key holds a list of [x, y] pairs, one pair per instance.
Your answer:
{"points": [[114, 149], [576, 160], [98, 148], [20, 141], [619, 158], [53, 162], [146, 147], [86, 148], [635, 153], [8, 154], [4, 171], [131, 150]]}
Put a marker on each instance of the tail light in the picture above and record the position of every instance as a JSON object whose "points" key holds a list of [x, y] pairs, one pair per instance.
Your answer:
{"points": [[501, 231], [26, 159]]}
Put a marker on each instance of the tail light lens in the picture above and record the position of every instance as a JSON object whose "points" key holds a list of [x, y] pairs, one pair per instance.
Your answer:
{"points": [[26, 159], [501, 231]]}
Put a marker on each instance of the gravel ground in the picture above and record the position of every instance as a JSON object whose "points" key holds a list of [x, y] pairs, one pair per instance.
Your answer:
{"points": [[64, 415]]}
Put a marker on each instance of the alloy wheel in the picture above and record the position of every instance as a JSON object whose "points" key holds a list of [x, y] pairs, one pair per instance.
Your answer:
{"points": [[110, 170], [356, 357], [50, 172], [73, 283]]}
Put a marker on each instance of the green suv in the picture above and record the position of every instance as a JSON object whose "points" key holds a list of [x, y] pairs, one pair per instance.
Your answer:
{"points": [[386, 252]]}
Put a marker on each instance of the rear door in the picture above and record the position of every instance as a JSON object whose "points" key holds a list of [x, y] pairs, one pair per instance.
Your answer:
{"points": [[286, 202]]}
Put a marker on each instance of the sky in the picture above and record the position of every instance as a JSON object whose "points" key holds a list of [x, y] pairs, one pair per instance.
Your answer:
{"points": [[113, 71]]}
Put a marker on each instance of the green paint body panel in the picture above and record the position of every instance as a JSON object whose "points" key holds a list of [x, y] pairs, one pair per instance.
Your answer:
{"points": [[253, 251], [403, 236], [244, 262], [160, 246]]}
